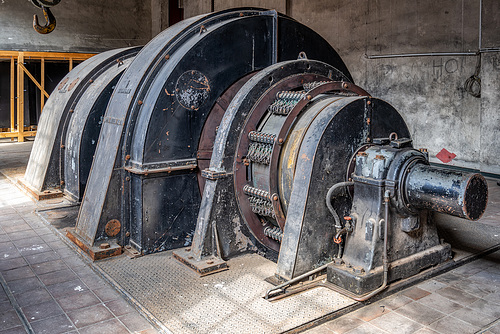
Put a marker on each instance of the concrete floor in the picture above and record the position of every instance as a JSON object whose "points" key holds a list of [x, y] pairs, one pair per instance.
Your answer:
{"points": [[49, 286]]}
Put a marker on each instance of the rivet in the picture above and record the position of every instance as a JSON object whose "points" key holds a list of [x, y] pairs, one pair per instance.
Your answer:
{"points": [[127, 234], [127, 178], [275, 197], [139, 102], [308, 97], [210, 262], [62, 146], [368, 139], [91, 81], [368, 102], [167, 57], [280, 140], [62, 182], [104, 245], [127, 157], [71, 110], [344, 85]]}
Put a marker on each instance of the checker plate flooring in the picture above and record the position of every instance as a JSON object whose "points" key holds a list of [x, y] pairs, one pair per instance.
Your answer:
{"points": [[226, 302]]}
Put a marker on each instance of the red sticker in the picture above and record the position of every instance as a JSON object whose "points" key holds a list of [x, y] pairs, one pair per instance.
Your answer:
{"points": [[445, 156]]}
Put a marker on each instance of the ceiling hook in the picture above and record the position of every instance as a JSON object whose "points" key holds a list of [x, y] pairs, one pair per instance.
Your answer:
{"points": [[49, 26]]}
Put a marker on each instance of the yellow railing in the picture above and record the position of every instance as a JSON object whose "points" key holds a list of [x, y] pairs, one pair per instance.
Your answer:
{"points": [[17, 59]]}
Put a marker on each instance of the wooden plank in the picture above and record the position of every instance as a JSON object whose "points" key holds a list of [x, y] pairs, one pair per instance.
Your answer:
{"points": [[20, 98], [42, 83], [47, 55], [15, 134], [25, 70], [17, 128], [12, 94]]}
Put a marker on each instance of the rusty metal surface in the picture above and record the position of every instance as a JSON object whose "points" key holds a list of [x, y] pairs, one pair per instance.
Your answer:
{"points": [[227, 302], [211, 126], [95, 253], [455, 193], [113, 227]]}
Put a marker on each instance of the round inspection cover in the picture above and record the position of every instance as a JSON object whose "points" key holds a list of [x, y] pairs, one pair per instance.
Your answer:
{"points": [[192, 89], [113, 228]]}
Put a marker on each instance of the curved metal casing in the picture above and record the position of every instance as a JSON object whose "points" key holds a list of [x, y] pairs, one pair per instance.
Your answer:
{"points": [[156, 116], [221, 200], [331, 140], [82, 133], [85, 89]]}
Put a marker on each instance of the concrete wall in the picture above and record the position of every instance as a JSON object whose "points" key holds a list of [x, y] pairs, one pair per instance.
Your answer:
{"points": [[427, 90], [82, 26]]}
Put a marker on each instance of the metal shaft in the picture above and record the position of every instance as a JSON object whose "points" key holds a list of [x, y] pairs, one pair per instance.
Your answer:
{"points": [[455, 193]]}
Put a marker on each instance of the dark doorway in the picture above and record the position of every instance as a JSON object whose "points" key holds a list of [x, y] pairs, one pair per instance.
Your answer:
{"points": [[175, 14]]}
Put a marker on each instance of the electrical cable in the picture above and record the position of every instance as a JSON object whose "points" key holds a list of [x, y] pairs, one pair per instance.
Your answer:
{"points": [[473, 83]]}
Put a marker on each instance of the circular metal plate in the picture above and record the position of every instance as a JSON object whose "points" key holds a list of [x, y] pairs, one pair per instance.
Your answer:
{"points": [[192, 89], [113, 228]]}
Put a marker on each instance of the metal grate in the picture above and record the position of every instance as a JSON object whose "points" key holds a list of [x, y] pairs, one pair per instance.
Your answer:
{"points": [[227, 302]]}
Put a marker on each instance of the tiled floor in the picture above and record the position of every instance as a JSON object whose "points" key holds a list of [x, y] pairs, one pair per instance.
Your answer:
{"points": [[53, 289], [464, 300], [490, 216]]}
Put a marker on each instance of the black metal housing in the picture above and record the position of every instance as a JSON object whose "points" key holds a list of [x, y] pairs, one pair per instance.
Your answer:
{"points": [[62, 153], [145, 166], [402, 174]]}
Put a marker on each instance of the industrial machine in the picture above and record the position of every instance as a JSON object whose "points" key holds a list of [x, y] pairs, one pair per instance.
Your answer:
{"points": [[242, 131]]}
